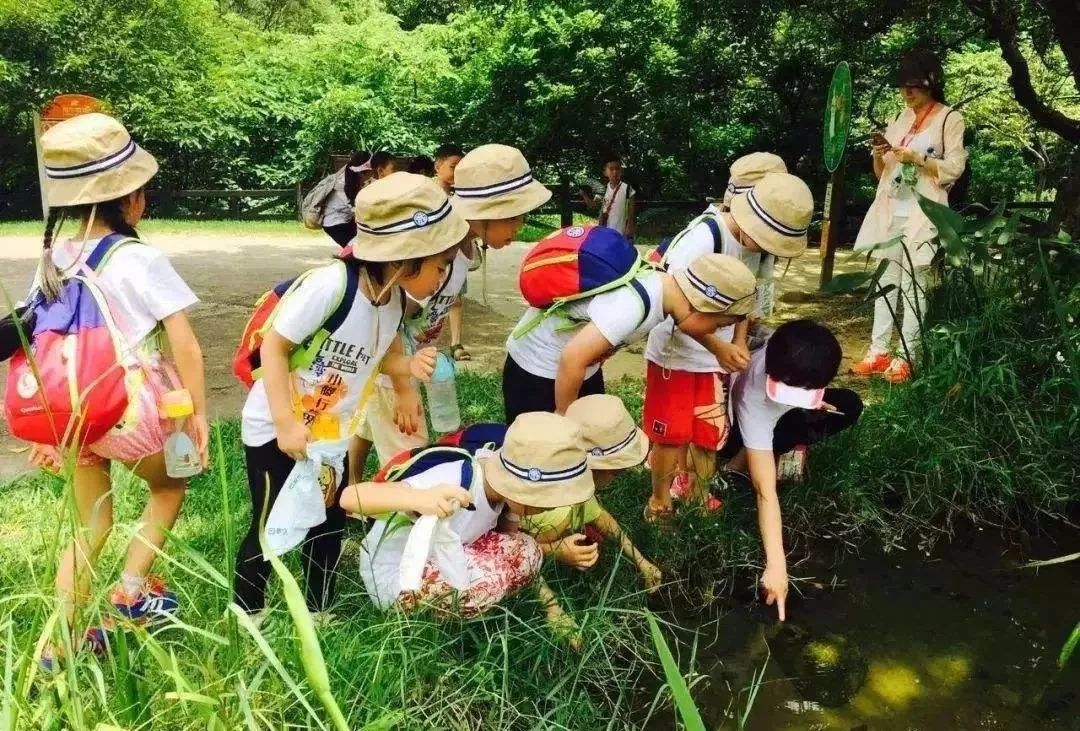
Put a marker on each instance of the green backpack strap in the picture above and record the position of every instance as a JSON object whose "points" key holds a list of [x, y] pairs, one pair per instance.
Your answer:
{"points": [[640, 267], [303, 355]]}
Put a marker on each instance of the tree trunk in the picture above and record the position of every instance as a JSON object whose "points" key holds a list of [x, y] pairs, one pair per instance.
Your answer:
{"points": [[1066, 213]]}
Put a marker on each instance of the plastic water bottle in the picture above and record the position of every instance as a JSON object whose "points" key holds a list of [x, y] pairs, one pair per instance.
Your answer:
{"points": [[442, 396], [182, 459]]}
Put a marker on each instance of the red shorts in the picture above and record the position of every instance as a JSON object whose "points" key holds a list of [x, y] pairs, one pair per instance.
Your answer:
{"points": [[685, 408]]}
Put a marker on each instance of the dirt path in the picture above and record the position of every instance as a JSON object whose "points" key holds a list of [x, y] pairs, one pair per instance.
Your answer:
{"points": [[229, 270]]}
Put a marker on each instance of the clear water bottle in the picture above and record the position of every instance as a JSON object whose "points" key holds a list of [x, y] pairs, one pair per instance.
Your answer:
{"points": [[442, 396], [182, 459]]}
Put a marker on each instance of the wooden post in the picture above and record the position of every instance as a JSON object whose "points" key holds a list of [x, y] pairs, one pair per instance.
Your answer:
{"points": [[566, 212], [832, 219]]}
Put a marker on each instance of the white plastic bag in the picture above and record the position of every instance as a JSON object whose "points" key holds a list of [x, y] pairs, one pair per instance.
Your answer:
{"points": [[433, 538], [300, 505]]}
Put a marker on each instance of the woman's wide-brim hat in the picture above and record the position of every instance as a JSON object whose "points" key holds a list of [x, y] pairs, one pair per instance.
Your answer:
{"points": [[92, 158], [495, 182], [405, 216]]}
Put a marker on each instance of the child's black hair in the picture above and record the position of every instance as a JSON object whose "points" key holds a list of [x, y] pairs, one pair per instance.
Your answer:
{"points": [[111, 212], [381, 159], [611, 157], [354, 181], [803, 354], [422, 165], [447, 150]]}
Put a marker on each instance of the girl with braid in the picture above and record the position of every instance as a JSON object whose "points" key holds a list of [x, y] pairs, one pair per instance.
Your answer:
{"points": [[96, 175]]}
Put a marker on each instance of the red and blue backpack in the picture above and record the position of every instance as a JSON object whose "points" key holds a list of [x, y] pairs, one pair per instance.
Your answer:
{"points": [[247, 360], [576, 263], [460, 445], [70, 386], [658, 256]]}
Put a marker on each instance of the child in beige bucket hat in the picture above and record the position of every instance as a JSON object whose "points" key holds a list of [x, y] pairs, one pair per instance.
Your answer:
{"points": [[541, 465], [774, 215], [494, 189], [315, 384], [95, 173], [747, 170], [572, 534]]}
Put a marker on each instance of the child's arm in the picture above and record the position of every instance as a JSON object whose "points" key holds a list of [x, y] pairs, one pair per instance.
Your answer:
{"points": [[587, 347], [729, 355], [741, 338], [292, 436], [607, 525], [762, 464], [397, 364], [376, 498], [189, 365], [569, 551]]}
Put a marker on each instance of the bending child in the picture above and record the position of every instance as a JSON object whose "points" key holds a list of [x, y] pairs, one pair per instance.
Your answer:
{"points": [[96, 174], [780, 402], [481, 557], [407, 236], [572, 534]]}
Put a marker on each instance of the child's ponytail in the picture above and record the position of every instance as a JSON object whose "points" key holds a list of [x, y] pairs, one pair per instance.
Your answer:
{"points": [[49, 281]]}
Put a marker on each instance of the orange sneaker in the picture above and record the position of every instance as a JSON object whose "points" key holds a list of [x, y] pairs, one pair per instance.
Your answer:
{"points": [[871, 364], [899, 371]]}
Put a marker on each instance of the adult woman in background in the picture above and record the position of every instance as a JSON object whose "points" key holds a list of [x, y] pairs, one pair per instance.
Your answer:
{"points": [[920, 152]]}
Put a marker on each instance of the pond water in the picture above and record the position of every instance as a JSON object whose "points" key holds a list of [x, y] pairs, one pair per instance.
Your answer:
{"points": [[961, 639]]}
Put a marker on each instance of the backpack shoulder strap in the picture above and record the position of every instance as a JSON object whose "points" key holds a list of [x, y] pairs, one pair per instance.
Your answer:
{"points": [[434, 456], [713, 223], [104, 250], [646, 303], [348, 296], [944, 122]]}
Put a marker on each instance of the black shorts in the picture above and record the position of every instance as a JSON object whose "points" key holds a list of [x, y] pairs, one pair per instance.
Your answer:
{"points": [[523, 392]]}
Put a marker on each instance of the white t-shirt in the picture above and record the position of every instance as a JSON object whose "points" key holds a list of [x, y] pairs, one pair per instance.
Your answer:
{"points": [[675, 350], [138, 281], [619, 207], [384, 544], [754, 413], [336, 207], [327, 394], [617, 314]]}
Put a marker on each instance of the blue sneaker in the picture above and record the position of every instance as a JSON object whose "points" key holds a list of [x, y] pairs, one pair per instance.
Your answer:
{"points": [[154, 603]]}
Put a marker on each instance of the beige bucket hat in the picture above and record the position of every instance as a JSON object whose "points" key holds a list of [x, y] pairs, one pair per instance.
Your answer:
{"points": [[747, 170], [611, 439], [494, 182], [718, 283], [776, 213], [542, 463], [405, 216], [91, 159]]}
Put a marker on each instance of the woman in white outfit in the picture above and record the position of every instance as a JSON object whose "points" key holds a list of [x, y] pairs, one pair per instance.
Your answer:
{"points": [[921, 151]]}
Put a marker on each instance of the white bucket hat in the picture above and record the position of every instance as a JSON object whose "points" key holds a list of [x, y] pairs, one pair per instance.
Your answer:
{"points": [[747, 170], [542, 463], [90, 159], [405, 216], [495, 182], [611, 439], [718, 284], [776, 214]]}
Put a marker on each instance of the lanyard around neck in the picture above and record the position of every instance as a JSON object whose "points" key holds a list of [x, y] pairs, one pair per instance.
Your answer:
{"points": [[917, 125]]}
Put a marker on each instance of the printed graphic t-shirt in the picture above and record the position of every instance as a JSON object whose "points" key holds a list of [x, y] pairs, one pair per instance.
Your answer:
{"points": [[326, 394], [617, 314], [384, 545]]}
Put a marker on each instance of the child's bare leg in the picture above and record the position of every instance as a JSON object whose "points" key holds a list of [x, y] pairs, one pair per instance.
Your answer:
{"points": [[667, 460], [559, 622], [702, 465], [159, 515], [607, 525], [94, 511], [359, 448]]}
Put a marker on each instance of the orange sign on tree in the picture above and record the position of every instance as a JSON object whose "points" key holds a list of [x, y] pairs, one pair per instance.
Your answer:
{"points": [[67, 106]]}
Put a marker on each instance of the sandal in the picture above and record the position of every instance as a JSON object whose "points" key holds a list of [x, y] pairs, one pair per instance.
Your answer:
{"points": [[458, 353], [660, 517]]}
